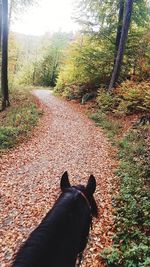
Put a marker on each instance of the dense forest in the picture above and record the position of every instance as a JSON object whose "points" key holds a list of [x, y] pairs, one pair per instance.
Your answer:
{"points": [[106, 65], [114, 34], [112, 47]]}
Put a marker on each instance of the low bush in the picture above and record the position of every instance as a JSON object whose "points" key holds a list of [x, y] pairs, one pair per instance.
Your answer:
{"points": [[7, 137], [17, 120], [135, 97], [72, 92], [107, 101], [129, 98]]}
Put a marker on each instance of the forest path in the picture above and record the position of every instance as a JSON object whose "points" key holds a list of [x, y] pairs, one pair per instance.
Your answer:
{"points": [[65, 139]]}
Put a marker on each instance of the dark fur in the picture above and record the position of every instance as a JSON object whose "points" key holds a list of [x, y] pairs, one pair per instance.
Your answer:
{"points": [[63, 233]]}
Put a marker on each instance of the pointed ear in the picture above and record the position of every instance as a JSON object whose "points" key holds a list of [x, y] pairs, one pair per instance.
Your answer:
{"points": [[91, 186], [64, 181]]}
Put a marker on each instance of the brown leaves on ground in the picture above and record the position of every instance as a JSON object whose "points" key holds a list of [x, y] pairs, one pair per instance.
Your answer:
{"points": [[30, 175]]}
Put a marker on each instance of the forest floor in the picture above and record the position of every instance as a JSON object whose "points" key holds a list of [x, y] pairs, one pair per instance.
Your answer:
{"points": [[65, 139]]}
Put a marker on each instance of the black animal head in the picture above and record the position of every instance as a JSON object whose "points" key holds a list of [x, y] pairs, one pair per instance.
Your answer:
{"points": [[63, 233], [87, 190]]}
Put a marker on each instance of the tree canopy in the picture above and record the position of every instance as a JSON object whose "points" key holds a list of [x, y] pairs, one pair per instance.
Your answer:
{"points": [[101, 28]]}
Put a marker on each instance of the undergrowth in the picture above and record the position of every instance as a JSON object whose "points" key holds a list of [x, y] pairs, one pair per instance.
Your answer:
{"points": [[132, 205], [131, 239], [128, 98], [17, 120], [110, 127]]}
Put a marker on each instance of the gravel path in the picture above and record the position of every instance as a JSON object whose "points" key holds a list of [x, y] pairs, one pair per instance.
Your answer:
{"points": [[65, 139]]}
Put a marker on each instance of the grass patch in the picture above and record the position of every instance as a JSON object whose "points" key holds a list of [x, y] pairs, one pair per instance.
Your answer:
{"points": [[17, 121], [111, 127]]}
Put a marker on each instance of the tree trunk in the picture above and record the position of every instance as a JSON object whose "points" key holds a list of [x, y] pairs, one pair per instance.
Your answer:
{"points": [[0, 39], [0, 25], [119, 28], [10, 12], [123, 39], [4, 70]]}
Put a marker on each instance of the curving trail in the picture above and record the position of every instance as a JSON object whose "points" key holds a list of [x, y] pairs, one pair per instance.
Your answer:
{"points": [[65, 139]]}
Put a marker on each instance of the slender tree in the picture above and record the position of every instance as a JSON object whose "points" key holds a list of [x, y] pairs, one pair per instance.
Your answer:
{"points": [[0, 38], [0, 25], [4, 68], [119, 27], [11, 3], [122, 43]]}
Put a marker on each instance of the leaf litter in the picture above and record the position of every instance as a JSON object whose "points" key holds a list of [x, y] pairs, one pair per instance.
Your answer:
{"points": [[65, 139]]}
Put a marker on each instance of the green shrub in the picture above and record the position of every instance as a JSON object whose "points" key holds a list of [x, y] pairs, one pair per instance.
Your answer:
{"points": [[7, 137], [18, 119], [112, 255], [107, 101], [130, 97], [134, 97], [72, 92]]}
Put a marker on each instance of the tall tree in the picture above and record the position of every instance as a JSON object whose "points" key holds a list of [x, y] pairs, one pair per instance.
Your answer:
{"points": [[122, 43], [4, 68], [119, 27], [0, 25], [103, 20]]}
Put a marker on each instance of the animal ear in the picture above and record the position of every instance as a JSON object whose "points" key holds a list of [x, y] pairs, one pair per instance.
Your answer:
{"points": [[91, 186], [64, 181]]}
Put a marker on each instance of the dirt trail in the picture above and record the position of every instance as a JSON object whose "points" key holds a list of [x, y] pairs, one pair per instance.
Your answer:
{"points": [[30, 174]]}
